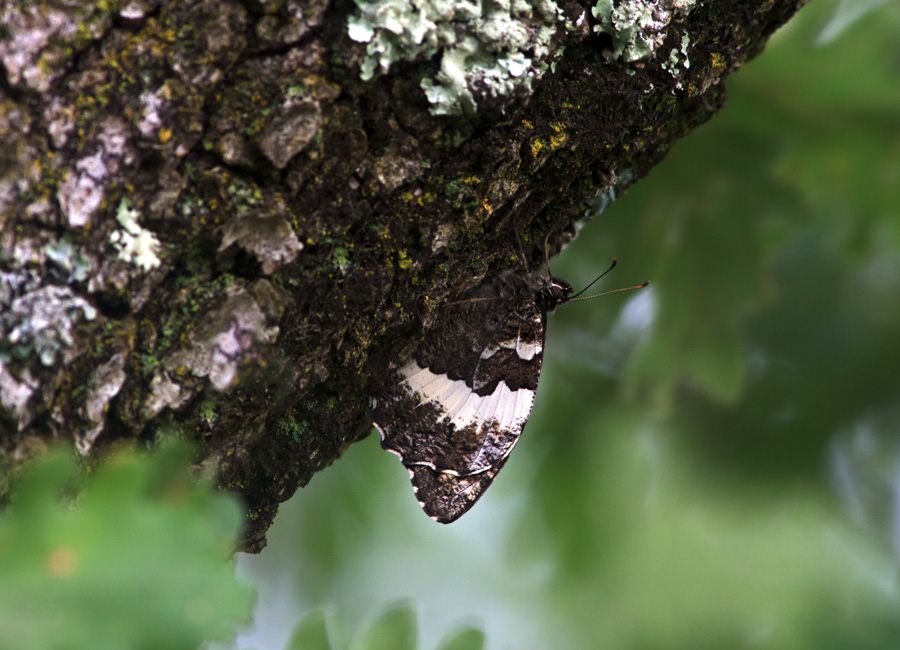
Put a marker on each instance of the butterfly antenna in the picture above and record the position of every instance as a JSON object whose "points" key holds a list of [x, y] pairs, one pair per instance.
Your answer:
{"points": [[611, 267], [606, 293]]}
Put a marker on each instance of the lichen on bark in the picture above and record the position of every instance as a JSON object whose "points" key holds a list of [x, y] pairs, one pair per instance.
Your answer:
{"points": [[307, 224]]}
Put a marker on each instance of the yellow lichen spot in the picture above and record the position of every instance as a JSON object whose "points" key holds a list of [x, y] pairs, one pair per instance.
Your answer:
{"points": [[718, 63], [487, 206], [527, 124], [403, 261], [407, 196], [557, 140], [536, 146], [165, 134]]}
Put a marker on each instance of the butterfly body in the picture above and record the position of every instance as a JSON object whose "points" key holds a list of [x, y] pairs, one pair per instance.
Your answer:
{"points": [[462, 399]]}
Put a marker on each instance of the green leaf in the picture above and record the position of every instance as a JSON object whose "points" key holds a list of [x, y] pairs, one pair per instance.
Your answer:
{"points": [[467, 638], [142, 561], [310, 634], [395, 630]]}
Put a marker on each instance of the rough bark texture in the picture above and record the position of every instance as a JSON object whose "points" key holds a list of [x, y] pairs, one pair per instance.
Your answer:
{"points": [[212, 228]]}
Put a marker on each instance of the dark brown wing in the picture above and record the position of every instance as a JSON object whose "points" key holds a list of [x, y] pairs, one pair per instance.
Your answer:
{"points": [[463, 398]]}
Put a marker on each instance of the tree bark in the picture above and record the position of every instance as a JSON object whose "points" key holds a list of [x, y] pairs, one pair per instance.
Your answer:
{"points": [[212, 228]]}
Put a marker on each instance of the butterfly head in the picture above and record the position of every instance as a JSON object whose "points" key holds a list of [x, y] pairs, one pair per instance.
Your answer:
{"points": [[555, 292]]}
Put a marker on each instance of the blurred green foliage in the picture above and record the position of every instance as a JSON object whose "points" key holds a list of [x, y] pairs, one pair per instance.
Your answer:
{"points": [[773, 239], [395, 629], [138, 556], [310, 634]]}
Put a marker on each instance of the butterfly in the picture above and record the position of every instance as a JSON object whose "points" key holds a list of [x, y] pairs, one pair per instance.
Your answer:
{"points": [[460, 402]]}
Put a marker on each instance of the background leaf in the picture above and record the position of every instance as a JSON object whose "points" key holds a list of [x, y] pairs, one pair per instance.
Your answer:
{"points": [[310, 634], [394, 630], [468, 638], [141, 562]]}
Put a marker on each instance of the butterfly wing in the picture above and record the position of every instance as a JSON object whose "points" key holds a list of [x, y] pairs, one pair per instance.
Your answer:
{"points": [[463, 398]]}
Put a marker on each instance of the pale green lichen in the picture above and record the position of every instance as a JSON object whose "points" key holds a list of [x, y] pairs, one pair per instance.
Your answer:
{"points": [[64, 254], [43, 322], [135, 244], [678, 58], [493, 48], [637, 27]]}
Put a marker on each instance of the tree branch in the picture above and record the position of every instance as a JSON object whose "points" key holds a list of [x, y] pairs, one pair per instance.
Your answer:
{"points": [[213, 228]]}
